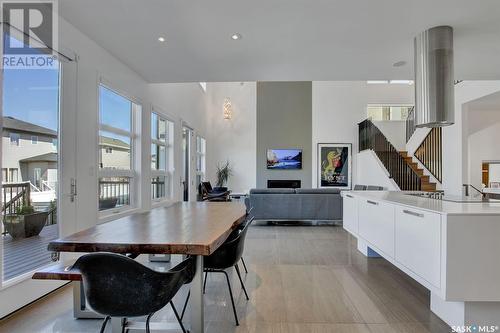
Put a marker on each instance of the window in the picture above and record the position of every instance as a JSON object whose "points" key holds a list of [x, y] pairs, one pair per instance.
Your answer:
{"points": [[14, 139], [162, 138], [4, 175], [54, 144], [201, 148], [116, 143], [34, 139], [13, 175], [388, 112]]}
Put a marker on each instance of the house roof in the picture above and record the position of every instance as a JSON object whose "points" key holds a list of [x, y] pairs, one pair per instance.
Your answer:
{"points": [[112, 142], [49, 157], [12, 123]]}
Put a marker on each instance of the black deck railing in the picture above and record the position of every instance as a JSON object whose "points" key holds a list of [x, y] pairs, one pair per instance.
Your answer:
{"points": [[157, 188], [370, 137], [118, 189], [430, 153], [410, 124]]}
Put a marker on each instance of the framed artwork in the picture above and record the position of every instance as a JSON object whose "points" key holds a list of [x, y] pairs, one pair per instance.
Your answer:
{"points": [[334, 165]]}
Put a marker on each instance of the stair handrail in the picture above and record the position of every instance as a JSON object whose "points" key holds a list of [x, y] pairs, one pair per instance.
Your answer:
{"points": [[466, 186], [370, 137]]}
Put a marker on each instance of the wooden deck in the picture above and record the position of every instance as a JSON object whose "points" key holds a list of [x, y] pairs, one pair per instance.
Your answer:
{"points": [[25, 255]]}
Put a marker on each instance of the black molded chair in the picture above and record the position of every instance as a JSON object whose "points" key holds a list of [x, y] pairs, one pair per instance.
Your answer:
{"points": [[207, 193], [359, 187], [227, 256], [118, 286]]}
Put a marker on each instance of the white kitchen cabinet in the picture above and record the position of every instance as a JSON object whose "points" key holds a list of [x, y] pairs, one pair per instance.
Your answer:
{"points": [[418, 242], [350, 213], [376, 224]]}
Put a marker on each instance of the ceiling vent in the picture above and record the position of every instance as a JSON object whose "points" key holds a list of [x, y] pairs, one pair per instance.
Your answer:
{"points": [[434, 88]]}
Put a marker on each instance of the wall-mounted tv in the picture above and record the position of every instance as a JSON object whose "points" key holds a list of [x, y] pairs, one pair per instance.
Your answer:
{"points": [[284, 159]]}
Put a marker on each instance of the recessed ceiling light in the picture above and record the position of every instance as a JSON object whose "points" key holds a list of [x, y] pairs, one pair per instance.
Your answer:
{"points": [[236, 36], [377, 82], [161, 39], [410, 82], [399, 63]]}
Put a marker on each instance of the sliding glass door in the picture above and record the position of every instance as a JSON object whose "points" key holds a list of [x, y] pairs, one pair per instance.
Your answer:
{"points": [[38, 169]]}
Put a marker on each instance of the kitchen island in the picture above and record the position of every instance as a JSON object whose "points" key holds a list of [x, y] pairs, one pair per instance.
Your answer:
{"points": [[450, 247]]}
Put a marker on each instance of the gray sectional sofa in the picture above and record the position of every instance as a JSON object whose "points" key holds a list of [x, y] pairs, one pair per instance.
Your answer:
{"points": [[295, 204]]}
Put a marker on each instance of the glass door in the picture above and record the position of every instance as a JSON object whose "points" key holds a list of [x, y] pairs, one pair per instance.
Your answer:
{"points": [[186, 161], [38, 110]]}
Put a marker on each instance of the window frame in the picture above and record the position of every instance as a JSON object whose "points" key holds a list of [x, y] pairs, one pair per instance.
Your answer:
{"points": [[16, 142], [169, 145], [389, 105], [201, 154], [132, 173]]}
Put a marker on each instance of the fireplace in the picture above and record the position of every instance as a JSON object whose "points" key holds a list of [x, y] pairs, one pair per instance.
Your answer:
{"points": [[280, 183]]}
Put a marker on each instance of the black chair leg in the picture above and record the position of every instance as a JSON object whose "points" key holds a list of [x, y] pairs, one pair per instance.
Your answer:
{"points": [[103, 327], [241, 281], [232, 299], [147, 322], [205, 281], [177, 316], [185, 305], [244, 265]]}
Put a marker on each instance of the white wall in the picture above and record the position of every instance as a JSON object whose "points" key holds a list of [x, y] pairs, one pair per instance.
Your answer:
{"points": [[371, 171], [338, 107], [482, 142], [394, 131], [455, 145], [233, 140]]}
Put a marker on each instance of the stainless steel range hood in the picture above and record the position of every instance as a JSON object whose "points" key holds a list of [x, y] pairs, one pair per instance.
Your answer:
{"points": [[434, 81]]}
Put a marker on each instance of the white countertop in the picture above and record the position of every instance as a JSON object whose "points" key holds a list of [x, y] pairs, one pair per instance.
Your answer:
{"points": [[433, 205], [491, 190]]}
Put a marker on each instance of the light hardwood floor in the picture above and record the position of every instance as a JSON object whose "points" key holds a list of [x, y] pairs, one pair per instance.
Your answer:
{"points": [[308, 279]]}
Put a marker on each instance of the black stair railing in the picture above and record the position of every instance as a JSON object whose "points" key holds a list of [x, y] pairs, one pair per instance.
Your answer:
{"points": [[370, 137], [430, 153]]}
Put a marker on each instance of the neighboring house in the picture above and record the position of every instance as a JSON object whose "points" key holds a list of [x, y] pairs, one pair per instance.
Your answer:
{"points": [[29, 153], [114, 153]]}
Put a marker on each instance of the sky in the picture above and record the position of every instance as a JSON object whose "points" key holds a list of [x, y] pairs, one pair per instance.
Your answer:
{"points": [[32, 95], [282, 153]]}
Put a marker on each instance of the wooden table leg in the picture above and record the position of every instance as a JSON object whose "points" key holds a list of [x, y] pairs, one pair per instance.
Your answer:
{"points": [[197, 318]]}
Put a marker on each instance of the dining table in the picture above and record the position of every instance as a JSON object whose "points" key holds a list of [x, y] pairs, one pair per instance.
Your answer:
{"points": [[184, 228]]}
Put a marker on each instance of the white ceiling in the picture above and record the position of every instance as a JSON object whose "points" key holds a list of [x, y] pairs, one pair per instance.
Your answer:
{"points": [[286, 39]]}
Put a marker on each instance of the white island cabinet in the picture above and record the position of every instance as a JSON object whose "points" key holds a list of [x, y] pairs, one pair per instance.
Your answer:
{"points": [[350, 220], [451, 248]]}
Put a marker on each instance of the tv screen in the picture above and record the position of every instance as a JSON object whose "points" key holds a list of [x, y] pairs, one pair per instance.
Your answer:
{"points": [[284, 159]]}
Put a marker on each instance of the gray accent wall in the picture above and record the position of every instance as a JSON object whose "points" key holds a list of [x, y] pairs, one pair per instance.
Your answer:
{"points": [[284, 120]]}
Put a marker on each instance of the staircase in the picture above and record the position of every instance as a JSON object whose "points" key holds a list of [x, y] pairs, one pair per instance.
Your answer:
{"points": [[405, 172], [425, 183]]}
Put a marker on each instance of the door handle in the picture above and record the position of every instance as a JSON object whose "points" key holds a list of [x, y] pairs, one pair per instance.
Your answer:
{"points": [[349, 196], [409, 212], [372, 202], [72, 190]]}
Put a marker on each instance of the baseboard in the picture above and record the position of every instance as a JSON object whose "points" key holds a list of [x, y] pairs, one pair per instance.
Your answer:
{"points": [[298, 222]]}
